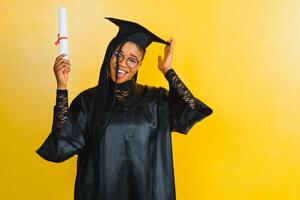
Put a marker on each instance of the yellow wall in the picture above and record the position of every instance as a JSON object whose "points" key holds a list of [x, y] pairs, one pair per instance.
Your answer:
{"points": [[240, 57]]}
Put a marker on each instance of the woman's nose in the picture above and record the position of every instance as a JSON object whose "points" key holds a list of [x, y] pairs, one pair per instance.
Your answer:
{"points": [[123, 62]]}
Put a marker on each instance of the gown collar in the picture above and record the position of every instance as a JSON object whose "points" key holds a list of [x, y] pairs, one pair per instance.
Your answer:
{"points": [[125, 92]]}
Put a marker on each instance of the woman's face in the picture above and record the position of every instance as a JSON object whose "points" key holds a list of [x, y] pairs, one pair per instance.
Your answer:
{"points": [[130, 59]]}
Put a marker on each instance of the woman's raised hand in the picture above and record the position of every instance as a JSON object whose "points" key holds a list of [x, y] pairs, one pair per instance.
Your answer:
{"points": [[61, 70], [164, 64]]}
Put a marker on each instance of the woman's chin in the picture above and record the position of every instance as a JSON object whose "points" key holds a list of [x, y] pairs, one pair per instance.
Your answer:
{"points": [[121, 79]]}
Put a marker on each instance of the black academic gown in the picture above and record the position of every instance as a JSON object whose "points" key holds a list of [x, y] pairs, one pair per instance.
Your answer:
{"points": [[135, 153]]}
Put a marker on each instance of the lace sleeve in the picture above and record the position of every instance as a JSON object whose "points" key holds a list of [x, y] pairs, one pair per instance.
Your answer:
{"points": [[60, 111], [178, 88]]}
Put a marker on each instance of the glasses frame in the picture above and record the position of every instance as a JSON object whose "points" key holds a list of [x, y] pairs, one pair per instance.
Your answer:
{"points": [[121, 57]]}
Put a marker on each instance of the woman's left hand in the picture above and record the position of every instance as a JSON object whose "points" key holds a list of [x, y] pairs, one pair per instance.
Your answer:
{"points": [[165, 64]]}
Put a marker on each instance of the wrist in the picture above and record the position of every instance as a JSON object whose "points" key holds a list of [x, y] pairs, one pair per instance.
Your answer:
{"points": [[61, 87], [166, 70]]}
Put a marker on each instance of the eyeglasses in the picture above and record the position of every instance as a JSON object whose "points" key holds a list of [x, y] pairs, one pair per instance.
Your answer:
{"points": [[130, 62]]}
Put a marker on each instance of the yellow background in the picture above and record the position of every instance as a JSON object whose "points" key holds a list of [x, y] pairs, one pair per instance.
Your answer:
{"points": [[242, 58]]}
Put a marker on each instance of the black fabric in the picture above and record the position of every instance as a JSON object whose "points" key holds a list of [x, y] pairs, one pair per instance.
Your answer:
{"points": [[135, 153], [179, 90], [122, 90], [60, 111], [136, 33]]}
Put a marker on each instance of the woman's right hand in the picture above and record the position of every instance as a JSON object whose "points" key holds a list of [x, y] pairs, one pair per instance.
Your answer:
{"points": [[61, 70]]}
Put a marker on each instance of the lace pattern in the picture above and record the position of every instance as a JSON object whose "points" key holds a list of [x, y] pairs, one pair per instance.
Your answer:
{"points": [[60, 111], [177, 86], [122, 95], [122, 90]]}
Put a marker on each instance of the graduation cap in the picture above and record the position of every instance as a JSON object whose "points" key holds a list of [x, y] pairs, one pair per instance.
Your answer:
{"points": [[136, 33]]}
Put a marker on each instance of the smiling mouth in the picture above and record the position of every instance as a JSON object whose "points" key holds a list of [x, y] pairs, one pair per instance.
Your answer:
{"points": [[121, 72]]}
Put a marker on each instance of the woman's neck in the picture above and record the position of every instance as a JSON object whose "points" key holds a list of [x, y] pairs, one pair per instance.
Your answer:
{"points": [[123, 86], [123, 90]]}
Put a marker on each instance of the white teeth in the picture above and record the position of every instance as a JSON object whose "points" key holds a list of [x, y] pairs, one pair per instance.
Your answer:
{"points": [[120, 71]]}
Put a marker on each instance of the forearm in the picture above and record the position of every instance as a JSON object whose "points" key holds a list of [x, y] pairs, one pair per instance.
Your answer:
{"points": [[179, 90], [60, 111]]}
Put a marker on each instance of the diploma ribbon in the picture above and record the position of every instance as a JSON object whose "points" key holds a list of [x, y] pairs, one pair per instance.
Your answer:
{"points": [[60, 38]]}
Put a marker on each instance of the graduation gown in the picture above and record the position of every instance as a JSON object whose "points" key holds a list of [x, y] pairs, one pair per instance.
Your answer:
{"points": [[135, 152]]}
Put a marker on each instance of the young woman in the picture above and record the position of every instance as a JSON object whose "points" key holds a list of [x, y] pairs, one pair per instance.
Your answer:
{"points": [[120, 129]]}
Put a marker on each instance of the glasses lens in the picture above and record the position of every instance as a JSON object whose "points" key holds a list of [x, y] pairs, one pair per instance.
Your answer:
{"points": [[118, 56], [132, 62]]}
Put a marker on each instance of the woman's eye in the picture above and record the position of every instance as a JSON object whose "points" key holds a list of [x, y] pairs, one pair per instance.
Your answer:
{"points": [[119, 55], [132, 60]]}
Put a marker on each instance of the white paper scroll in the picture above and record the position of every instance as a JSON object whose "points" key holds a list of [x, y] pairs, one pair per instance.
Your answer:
{"points": [[63, 34]]}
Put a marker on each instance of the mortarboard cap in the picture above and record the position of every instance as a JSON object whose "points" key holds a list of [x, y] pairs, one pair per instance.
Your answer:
{"points": [[136, 33]]}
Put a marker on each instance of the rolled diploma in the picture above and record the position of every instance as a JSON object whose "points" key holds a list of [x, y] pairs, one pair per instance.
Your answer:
{"points": [[62, 21]]}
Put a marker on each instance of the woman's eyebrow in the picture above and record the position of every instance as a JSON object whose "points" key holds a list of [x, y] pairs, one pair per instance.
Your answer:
{"points": [[130, 54], [134, 56]]}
